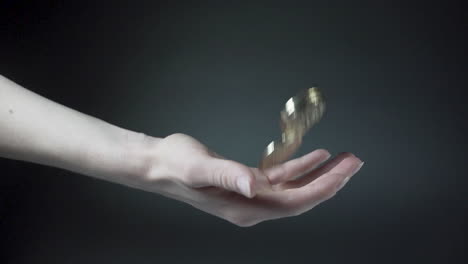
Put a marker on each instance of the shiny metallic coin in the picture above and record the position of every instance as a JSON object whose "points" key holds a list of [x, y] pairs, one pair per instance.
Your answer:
{"points": [[300, 113]]}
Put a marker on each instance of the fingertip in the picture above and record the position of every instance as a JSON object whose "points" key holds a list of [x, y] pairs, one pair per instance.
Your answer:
{"points": [[253, 185], [344, 155], [246, 183], [342, 183], [277, 174], [246, 186], [323, 152], [359, 166], [243, 186]]}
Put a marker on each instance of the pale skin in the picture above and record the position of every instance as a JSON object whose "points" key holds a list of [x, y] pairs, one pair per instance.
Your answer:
{"points": [[35, 129]]}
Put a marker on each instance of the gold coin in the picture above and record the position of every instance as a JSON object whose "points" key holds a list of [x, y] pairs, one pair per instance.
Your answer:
{"points": [[300, 113]]}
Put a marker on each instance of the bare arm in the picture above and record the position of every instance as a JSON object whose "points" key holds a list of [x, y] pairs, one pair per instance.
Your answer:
{"points": [[35, 129]]}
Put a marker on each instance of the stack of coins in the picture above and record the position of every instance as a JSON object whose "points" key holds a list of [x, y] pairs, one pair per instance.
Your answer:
{"points": [[300, 113]]}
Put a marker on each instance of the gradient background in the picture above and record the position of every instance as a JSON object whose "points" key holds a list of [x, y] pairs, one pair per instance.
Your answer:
{"points": [[394, 75]]}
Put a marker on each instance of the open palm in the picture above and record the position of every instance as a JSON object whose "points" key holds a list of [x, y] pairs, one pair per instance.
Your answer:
{"points": [[243, 195]]}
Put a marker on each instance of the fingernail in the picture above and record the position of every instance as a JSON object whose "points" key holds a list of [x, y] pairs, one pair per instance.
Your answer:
{"points": [[344, 182], [358, 167], [244, 186]]}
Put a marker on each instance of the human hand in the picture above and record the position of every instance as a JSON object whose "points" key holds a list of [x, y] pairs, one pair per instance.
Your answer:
{"points": [[35, 129], [182, 168]]}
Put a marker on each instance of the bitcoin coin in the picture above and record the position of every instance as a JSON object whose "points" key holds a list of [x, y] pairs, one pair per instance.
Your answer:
{"points": [[300, 113]]}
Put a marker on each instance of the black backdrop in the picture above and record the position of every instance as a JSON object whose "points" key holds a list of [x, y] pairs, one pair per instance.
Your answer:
{"points": [[394, 75]]}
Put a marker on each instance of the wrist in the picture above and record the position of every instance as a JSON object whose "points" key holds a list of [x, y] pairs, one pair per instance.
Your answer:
{"points": [[137, 158], [118, 155]]}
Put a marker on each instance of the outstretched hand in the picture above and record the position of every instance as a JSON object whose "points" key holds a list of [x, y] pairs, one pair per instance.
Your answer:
{"points": [[182, 168], [35, 129]]}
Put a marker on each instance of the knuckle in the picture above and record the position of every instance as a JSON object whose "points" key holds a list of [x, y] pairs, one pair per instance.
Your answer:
{"points": [[176, 135], [188, 173], [190, 180], [283, 173], [192, 174]]}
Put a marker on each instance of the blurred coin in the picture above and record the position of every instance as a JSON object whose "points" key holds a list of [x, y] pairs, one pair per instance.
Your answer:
{"points": [[300, 113]]}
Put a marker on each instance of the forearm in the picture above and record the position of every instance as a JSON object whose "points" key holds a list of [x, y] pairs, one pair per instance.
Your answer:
{"points": [[35, 129]]}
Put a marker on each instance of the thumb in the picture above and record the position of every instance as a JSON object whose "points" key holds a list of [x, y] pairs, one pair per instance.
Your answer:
{"points": [[230, 175]]}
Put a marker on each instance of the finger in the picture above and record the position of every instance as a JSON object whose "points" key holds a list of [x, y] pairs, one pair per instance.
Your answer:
{"points": [[226, 174], [311, 176], [262, 183], [324, 187], [296, 167], [306, 197]]}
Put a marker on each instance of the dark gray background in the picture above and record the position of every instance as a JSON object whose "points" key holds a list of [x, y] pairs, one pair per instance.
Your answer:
{"points": [[394, 75]]}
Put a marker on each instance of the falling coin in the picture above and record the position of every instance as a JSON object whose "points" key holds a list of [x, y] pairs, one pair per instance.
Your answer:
{"points": [[300, 113]]}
